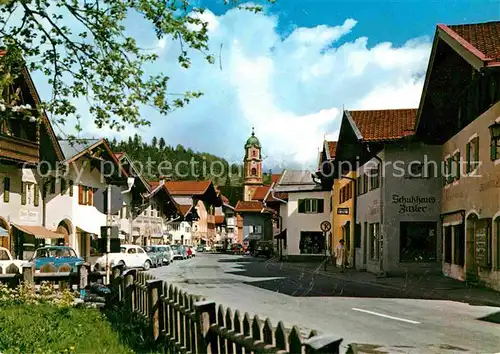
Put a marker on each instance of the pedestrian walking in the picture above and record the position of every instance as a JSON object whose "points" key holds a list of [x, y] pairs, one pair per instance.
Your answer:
{"points": [[340, 255]]}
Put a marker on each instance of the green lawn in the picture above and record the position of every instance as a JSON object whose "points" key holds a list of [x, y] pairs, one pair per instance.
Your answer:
{"points": [[48, 328]]}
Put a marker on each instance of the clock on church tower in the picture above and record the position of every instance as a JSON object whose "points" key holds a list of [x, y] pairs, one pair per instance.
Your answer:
{"points": [[252, 164]]}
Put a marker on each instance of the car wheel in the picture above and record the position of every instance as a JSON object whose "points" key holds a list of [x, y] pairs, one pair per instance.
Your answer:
{"points": [[147, 265]]}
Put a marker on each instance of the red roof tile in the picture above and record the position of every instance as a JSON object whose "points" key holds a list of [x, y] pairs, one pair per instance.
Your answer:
{"points": [[187, 187], [219, 219], [332, 148], [260, 193], [385, 124], [484, 37], [275, 177], [249, 206]]}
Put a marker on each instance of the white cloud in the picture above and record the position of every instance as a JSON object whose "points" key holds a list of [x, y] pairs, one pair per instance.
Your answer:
{"points": [[291, 89]]}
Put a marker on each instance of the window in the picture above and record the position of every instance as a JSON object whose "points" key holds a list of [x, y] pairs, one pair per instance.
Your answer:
{"points": [[132, 251], [254, 153], [447, 244], [374, 240], [140, 250], [417, 242], [473, 154], [255, 229], [458, 166], [64, 187], [449, 170], [36, 196], [331, 204], [6, 189], [254, 171], [358, 186], [495, 142], [311, 206], [311, 242], [23, 193], [374, 178], [365, 183], [70, 188]]}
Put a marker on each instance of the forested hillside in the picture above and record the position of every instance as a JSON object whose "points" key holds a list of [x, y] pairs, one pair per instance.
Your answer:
{"points": [[181, 163]]}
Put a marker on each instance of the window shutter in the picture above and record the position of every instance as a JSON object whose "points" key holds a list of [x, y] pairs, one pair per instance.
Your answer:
{"points": [[467, 158], [70, 188], [6, 189], [321, 206], [302, 206], [63, 186], [90, 196], [23, 193], [36, 197], [449, 169], [493, 149], [458, 172], [80, 194], [52, 185], [476, 152]]}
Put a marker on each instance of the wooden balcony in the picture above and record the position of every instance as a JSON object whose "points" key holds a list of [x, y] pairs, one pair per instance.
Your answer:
{"points": [[18, 149]]}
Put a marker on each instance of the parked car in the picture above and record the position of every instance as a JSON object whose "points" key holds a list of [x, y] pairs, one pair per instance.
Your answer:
{"points": [[179, 251], [155, 254], [168, 254], [264, 248], [130, 256], [58, 256], [193, 250], [6, 260], [200, 249]]}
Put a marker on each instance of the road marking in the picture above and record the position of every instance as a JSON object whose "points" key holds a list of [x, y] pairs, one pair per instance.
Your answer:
{"points": [[386, 316]]}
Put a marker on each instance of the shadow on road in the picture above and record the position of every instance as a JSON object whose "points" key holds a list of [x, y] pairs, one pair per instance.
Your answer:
{"points": [[310, 283]]}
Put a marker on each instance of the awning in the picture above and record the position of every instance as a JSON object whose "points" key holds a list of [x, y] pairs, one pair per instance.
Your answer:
{"points": [[281, 235], [38, 231], [3, 232]]}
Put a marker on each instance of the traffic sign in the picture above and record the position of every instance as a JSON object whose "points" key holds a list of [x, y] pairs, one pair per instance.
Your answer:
{"points": [[326, 226], [101, 199]]}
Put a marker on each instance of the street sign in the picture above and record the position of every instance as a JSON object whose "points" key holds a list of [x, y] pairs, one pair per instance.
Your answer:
{"points": [[101, 199], [326, 226]]}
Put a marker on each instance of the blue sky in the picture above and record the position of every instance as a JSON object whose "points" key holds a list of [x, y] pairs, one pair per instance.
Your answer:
{"points": [[290, 70]]}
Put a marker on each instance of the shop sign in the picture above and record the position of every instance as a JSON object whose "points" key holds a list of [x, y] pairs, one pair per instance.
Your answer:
{"points": [[413, 204], [28, 215], [343, 211]]}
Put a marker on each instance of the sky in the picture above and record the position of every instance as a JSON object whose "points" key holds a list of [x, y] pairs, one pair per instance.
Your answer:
{"points": [[291, 70]]}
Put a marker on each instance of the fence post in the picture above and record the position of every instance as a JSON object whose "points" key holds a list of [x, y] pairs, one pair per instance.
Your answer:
{"points": [[205, 317], [322, 344], [129, 288], [28, 274], [154, 287], [83, 276]]}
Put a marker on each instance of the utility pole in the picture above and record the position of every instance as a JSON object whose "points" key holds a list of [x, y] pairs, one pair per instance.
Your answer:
{"points": [[108, 233]]}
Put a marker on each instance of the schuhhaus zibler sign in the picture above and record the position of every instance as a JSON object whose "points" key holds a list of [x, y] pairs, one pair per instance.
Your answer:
{"points": [[413, 204]]}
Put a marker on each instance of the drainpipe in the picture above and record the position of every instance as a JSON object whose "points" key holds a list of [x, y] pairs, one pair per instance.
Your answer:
{"points": [[381, 186]]}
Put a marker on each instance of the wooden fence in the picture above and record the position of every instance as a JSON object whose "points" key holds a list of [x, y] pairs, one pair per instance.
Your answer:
{"points": [[189, 324]]}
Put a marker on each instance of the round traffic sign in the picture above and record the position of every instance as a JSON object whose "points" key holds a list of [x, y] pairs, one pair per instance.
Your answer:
{"points": [[326, 226]]}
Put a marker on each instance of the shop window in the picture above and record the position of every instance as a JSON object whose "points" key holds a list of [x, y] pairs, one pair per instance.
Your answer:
{"points": [[311, 206], [459, 245], [6, 189], [417, 242], [447, 244], [374, 240], [311, 242]]}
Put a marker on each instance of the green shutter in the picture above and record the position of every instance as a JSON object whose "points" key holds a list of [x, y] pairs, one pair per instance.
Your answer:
{"points": [[493, 149], [70, 188], [476, 152], [302, 206], [321, 206], [458, 172], [36, 195], [449, 170], [23, 193], [6, 189]]}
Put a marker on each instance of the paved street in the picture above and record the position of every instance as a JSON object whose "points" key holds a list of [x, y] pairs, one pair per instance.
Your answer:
{"points": [[356, 311]]}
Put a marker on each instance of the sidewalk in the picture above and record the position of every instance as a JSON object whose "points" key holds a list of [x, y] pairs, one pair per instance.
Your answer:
{"points": [[421, 286]]}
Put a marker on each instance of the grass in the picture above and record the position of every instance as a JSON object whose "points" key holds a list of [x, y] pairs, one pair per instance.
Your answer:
{"points": [[48, 328]]}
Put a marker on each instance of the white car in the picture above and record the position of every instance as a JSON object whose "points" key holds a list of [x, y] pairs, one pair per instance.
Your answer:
{"points": [[6, 260], [130, 256]]}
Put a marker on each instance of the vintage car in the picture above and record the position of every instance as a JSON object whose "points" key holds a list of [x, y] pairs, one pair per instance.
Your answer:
{"points": [[264, 248], [156, 255], [59, 256], [130, 256], [6, 260], [168, 254], [179, 251]]}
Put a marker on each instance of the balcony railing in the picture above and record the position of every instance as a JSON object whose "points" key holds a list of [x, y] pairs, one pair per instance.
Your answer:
{"points": [[19, 149]]}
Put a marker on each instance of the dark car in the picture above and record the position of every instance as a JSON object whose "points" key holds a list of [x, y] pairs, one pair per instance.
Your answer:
{"points": [[264, 248]]}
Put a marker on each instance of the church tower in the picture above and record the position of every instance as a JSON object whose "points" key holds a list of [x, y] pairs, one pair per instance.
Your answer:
{"points": [[252, 165]]}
